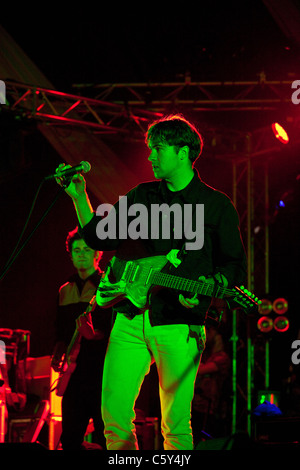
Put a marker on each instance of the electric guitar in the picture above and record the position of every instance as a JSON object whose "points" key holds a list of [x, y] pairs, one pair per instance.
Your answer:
{"points": [[134, 279], [69, 363]]}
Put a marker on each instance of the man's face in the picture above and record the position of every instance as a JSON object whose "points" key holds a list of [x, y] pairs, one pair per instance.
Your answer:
{"points": [[164, 159], [83, 257]]}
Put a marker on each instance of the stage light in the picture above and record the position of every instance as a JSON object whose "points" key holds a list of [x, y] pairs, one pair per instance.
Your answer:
{"points": [[279, 321], [265, 324], [269, 396], [265, 307], [280, 133], [281, 324], [280, 306]]}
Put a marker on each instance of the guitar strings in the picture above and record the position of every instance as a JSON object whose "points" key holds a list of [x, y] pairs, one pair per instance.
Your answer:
{"points": [[155, 277]]}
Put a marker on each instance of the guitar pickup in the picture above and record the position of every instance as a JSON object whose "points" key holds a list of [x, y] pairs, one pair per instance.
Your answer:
{"points": [[130, 272], [134, 274], [148, 277]]}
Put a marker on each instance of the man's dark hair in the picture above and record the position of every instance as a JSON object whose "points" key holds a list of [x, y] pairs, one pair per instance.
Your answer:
{"points": [[72, 236], [177, 131]]}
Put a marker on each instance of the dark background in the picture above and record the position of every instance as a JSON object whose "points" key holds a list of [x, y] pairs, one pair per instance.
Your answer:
{"points": [[232, 41]]}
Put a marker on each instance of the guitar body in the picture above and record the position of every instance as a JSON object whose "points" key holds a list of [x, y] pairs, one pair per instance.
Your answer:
{"points": [[134, 283], [64, 378], [69, 365]]}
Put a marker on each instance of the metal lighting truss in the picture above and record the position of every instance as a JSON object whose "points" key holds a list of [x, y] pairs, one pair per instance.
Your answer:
{"points": [[63, 109], [251, 198], [261, 94], [126, 108], [251, 184]]}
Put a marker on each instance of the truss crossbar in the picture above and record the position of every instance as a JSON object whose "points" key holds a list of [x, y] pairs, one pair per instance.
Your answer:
{"points": [[215, 95], [122, 108]]}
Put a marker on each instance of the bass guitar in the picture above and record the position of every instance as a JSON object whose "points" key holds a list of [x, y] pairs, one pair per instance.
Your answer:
{"points": [[69, 362], [134, 280]]}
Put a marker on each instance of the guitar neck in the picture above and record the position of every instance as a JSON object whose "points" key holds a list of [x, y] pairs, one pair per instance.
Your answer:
{"points": [[74, 341], [189, 285], [77, 336]]}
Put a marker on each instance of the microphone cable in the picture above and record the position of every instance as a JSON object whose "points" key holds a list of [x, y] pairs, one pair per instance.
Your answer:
{"points": [[14, 255]]}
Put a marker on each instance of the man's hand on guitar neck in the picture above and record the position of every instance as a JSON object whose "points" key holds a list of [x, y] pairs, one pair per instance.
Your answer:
{"points": [[193, 301], [57, 357]]}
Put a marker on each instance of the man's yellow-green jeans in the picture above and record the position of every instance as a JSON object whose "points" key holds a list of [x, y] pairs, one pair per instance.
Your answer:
{"points": [[133, 346]]}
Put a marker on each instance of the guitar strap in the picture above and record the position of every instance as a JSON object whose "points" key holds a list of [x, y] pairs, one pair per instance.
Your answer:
{"points": [[182, 252], [178, 254]]}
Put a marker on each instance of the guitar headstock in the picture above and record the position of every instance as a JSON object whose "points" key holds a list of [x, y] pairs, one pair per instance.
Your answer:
{"points": [[244, 299]]}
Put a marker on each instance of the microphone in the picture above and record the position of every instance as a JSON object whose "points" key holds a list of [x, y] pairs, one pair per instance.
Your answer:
{"points": [[83, 167]]}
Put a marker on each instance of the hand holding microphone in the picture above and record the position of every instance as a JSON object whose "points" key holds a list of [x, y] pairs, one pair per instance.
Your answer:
{"points": [[68, 170], [71, 179]]}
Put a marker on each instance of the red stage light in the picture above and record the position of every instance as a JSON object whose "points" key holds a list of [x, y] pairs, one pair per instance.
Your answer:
{"points": [[265, 307], [265, 324], [280, 306], [281, 324], [280, 133]]}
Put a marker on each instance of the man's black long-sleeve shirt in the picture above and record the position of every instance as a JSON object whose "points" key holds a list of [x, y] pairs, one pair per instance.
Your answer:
{"points": [[222, 250]]}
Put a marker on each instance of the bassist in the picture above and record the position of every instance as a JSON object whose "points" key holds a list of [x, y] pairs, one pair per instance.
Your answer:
{"points": [[81, 399]]}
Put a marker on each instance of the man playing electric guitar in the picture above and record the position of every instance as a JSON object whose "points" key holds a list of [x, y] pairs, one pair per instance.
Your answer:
{"points": [[170, 330]]}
